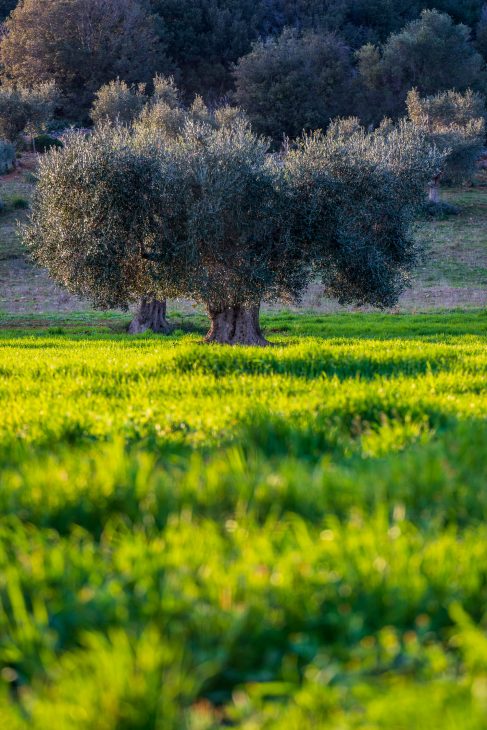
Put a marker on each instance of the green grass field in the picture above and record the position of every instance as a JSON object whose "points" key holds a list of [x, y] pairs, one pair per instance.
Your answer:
{"points": [[199, 537]]}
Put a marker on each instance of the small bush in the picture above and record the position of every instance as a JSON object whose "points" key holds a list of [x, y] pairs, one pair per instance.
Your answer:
{"points": [[440, 210], [59, 125], [44, 143], [19, 203], [7, 157]]}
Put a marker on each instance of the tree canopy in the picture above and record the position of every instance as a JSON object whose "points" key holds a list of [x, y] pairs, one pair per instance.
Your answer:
{"points": [[211, 214], [295, 82], [25, 109]]}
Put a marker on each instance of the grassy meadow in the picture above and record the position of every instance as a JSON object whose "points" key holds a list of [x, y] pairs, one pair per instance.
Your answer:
{"points": [[201, 537], [196, 537]]}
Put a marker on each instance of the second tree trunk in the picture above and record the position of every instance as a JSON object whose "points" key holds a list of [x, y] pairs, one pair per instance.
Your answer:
{"points": [[434, 190], [150, 315]]}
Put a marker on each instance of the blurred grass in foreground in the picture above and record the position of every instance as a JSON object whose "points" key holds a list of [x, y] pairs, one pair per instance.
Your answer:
{"points": [[198, 537]]}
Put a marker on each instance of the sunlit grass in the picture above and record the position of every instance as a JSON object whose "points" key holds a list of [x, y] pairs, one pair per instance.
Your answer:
{"points": [[194, 536]]}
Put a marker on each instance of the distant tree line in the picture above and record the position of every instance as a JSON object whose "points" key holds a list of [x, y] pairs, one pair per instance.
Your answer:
{"points": [[293, 65]]}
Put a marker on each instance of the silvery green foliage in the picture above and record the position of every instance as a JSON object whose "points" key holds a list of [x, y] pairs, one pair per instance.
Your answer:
{"points": [[246, 225], [356, 195], [164, 114], [220, 202], [118, 101], [95, 211], [7, 157], [210, 213], [26, 109], [455, 123], [221, 239]]}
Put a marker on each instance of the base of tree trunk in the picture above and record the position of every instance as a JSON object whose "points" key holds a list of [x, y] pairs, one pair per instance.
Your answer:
{"points": [[236, 326], [150, 315], [434, 191]]}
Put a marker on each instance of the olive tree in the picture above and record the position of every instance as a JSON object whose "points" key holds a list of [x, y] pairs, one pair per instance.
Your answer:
{"points": [[25, 109], [112, 176], [242, 225], [211, 214], [455, 123], [118, 101], [356, 196]]}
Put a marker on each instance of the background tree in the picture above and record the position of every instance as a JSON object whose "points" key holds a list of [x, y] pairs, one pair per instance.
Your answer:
{"points": [[294, 82], [205, 37], [26, 110], [455, 123], [462, 11], [118, 102], [431, 53], [481, 33], [6, 7], [81, 45]]}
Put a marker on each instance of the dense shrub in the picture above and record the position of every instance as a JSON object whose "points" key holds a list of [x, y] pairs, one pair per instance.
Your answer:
{"points": [[19, 203], [44, 143], [440, 209]]}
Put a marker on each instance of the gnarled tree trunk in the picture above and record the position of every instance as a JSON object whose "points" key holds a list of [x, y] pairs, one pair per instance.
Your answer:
{"points": [[236, 326], [434, 189], [150, 315]]}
